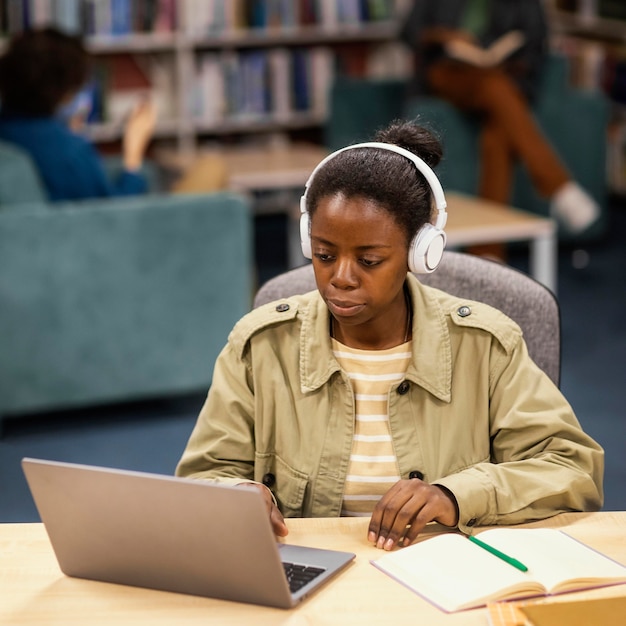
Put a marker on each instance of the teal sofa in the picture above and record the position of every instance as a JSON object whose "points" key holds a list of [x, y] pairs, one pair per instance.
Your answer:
{"points": [[112, 300], [574, 120]]}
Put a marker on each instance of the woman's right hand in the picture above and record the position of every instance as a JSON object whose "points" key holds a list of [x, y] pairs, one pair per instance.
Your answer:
{"points": [[137, 134], [276, 517]]}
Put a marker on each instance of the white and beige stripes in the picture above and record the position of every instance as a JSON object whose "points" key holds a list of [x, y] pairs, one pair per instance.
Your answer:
{"points": [[373, 467]]}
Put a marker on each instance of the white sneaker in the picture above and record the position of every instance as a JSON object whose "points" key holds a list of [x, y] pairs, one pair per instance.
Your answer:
{"points": [[574, 207]]}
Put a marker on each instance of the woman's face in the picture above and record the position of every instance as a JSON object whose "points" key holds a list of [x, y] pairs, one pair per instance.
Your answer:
{"points": [[360, 262]]}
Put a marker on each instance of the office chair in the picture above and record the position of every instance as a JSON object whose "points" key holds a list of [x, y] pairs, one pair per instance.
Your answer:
{"points": [[529, 303]]}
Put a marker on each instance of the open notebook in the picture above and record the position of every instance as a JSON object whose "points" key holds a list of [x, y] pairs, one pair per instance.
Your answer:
{"points": [[174, 534], [454, 573]]}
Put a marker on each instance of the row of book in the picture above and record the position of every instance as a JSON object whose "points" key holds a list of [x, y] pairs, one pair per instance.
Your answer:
{"points": [[254, 84], [258, 84], [89, 17], [276, 83], [206, 17], [192, 17]]}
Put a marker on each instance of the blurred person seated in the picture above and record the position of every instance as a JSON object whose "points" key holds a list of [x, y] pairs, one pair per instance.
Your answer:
{"points": [[42, 76], [484, 57]]}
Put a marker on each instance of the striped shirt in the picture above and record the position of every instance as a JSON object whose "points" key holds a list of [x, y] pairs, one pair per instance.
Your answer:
{"points": [[373, 466]]}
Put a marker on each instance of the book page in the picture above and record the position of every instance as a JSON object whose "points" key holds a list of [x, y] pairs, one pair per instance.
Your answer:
{"points": [[494, 54], [467, 52], [557, 560], [453, 573], [503, 47]]}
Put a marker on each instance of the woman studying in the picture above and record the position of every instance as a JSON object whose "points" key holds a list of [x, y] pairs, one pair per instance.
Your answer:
{"points": [[376, 395]]}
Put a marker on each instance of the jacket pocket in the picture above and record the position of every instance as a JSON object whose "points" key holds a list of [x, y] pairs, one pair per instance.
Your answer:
{"points": [[286, 483]]}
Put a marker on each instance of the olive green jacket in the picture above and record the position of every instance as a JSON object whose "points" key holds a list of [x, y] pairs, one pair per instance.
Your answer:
{"points": [[474, 414]]}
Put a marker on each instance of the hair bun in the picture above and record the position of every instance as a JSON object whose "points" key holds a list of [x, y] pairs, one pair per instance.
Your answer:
{"points": [[417, 139]]}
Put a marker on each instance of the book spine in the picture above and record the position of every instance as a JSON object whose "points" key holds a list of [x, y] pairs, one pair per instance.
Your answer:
{"points": [[67, 16], [301, 80], [41, 13], [320, 79], [121, 17], [280, 84]]}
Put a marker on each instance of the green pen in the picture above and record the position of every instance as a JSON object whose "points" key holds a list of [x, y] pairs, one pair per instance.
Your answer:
{"points": [[505, 557]]}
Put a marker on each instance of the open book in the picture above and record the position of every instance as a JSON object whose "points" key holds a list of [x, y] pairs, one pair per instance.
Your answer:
{"points": [[499, 50], [454, 573]]}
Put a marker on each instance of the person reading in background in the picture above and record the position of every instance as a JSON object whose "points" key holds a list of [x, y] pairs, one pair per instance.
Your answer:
{"points": [[485, 57], [378, 396], [42, 73]]}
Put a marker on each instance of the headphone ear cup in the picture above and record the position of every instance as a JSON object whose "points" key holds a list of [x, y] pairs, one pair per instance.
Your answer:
{"points": [[305, 236], [426, 249]]}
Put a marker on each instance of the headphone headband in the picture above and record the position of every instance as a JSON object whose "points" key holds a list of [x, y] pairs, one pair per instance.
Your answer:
{"points": [[426, 248], [420, 164]]}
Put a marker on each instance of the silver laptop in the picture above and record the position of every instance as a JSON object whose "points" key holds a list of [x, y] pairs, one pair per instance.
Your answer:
{"points": [[174, 534]]}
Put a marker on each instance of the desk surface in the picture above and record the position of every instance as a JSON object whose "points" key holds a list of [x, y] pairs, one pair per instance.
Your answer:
{"points": [[33, 591], [470, 220]]}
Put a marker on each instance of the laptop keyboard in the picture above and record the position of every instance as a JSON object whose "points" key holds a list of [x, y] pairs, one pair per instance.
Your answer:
{"points": [[300, 575]]}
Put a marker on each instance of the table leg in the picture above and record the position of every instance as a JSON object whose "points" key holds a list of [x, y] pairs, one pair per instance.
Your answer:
{"points": [[295, 258], [543, 260]]}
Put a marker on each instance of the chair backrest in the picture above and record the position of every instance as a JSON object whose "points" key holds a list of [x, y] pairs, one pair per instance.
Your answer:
{"points": [[527, 302]]}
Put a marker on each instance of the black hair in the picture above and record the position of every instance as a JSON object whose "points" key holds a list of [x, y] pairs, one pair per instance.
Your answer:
{"points": [[40, 69], [387, 178]]}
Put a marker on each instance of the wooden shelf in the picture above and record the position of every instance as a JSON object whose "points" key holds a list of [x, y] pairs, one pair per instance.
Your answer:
{"points": [[592, 27], [303, 36], [136, 42], [173, 59]]}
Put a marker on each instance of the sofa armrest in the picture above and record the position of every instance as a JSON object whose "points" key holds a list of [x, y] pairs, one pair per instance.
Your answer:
{"points": [[19, 179], [112, 300]]}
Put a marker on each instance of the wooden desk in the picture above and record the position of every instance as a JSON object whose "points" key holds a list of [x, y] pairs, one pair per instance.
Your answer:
{"points": [[474, 221], [33, 591]]}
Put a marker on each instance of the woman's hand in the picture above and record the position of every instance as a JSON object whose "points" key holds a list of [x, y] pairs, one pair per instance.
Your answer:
{"points": [[404, 511], [276, 517], [137, 134]]}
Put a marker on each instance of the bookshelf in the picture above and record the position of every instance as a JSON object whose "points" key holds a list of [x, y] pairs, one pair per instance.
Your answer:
{"points": [[592, 33], [218, 68]]}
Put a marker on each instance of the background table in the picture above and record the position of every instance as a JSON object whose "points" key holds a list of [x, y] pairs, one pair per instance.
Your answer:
{"points": [[33, 591], [471, 220]]}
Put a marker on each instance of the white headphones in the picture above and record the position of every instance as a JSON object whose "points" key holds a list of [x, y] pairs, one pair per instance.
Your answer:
{"points": [[427, 247]]}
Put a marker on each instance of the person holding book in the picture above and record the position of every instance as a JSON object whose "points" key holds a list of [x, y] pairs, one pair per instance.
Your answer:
{"points": [[376, 395], [485, 57], [42, 73]]}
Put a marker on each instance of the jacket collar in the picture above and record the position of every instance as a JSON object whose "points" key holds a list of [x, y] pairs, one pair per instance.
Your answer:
{"points": [[431, 364]]}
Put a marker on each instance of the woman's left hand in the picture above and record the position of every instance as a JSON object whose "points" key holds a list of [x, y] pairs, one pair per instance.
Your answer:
{"points": [[404, 511]]}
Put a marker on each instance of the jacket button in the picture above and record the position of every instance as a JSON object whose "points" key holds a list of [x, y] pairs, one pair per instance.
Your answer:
{"points": [[403, 387], [471, 522], [464, 311], [416, 474], [282, 307], [269, 479]]}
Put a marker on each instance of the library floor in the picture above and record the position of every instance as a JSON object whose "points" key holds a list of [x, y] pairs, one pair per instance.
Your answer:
{"points": [[150, 436]]}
